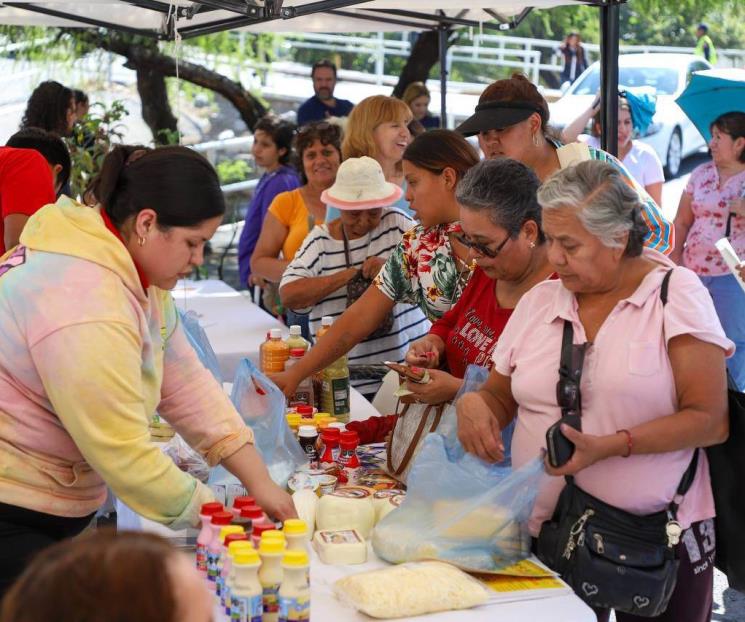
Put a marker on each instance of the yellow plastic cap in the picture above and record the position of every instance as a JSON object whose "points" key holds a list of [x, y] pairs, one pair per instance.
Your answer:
{"points": [[271, 546], [240, 545], [228, 529], [295, 527], [296, 559], [246, 557], [293, 419], [273, 533]]}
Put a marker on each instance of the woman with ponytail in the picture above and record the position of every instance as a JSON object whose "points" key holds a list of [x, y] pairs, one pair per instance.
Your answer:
{"points": [[91, 346]]}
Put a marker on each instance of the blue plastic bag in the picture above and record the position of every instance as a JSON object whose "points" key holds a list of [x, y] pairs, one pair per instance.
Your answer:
{"points": [[262, 406], [461, 510], [199, 341]]}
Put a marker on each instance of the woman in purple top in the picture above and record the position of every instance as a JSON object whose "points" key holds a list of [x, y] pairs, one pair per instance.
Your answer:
{"points": [[271, 151]]}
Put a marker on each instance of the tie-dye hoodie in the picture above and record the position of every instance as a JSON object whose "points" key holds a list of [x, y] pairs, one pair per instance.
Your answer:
{"points": [[86, 357]]}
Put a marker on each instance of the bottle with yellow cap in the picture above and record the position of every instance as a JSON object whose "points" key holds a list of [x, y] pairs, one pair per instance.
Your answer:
{"points": [[246, 592], [234, 547], [271, 551], [222, 557], [273, 533], [296, 534], [294, 594]]}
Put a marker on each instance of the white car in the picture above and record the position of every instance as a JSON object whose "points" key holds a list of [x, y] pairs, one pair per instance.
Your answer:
{"points": [[671, 134]]}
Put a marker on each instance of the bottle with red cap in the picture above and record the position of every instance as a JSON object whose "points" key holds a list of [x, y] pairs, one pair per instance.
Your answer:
{"points": [[260, 528], [205, 534], [238, 503], [330, 452], [348, 460], [306, 413], [219, 520]]}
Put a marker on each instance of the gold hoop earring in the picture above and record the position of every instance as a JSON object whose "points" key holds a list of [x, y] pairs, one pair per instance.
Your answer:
{"points": [[141, 241]]}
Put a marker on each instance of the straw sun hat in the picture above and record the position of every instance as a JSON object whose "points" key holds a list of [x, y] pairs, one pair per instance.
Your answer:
{"points": [[360, 184]]}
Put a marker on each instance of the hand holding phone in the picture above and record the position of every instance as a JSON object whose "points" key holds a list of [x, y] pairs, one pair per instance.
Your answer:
{"points": [[560, 449]]}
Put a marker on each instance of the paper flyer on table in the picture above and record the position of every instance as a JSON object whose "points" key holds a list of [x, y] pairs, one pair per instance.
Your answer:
{"points": [[730, 258]]}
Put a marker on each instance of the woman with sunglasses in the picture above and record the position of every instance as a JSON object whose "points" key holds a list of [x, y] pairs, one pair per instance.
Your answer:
{"points": [[428, 268], [501, 222]]}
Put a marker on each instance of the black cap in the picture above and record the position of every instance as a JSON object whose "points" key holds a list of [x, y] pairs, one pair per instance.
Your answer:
{"points": [[496, 116]]}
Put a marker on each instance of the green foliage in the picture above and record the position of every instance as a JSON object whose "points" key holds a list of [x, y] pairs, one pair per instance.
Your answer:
{"points": [[233, 171], [91, 140]]}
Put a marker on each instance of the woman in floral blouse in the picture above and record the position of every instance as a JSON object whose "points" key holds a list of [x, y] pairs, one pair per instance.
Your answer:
{"points": [[429, 268], [712, 207]]}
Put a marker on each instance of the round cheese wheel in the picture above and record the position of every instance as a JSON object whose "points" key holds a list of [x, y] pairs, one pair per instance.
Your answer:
{"points": [[347, 508]]}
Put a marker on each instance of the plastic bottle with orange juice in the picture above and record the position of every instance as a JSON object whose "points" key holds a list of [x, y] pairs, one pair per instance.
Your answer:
{"points": [[274, 353]]}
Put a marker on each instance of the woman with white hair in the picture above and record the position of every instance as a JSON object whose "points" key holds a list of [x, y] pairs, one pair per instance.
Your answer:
{"points": [[650, 389]]}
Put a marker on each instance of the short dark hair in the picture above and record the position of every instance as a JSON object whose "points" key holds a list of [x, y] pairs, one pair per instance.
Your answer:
{"points": [[327, 133], [732, 124], [436, 150], [47, 108], [506, 190], [179, 184], [281, 131], [321, 64], [80, 97], [48, 144], [102, 576]]}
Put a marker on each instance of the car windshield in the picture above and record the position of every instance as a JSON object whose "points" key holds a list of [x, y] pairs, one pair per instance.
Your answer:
{"points": [[663, 80]]}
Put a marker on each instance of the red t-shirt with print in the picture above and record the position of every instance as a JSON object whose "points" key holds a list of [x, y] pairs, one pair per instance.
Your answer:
{"points": [[471, 328], [26, 185]]}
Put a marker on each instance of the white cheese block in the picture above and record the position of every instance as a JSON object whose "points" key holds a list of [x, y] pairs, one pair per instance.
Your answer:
{"points": [[347, 508], [391, 503], [306, 502], [411, 590], [381, 501], [344, 546]]}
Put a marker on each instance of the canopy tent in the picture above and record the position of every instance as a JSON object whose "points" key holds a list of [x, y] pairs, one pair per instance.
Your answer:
{"points": [[168, 19]]}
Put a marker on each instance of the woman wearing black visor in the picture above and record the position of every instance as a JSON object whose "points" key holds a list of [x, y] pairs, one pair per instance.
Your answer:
{"points": [[511, 120]]}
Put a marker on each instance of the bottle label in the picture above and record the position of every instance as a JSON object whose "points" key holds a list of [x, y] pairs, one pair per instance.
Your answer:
{"points": [[294, 609], [271, 598], [340, 392], [201, 558], [212, 559], [246, 608]]}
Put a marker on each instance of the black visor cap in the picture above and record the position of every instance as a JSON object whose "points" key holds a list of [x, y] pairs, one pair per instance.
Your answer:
{"points": [[496, 116]]}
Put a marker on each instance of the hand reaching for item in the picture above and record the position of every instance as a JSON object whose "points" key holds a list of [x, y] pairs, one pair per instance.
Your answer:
{"points": [[372, 266], [478, 428]]}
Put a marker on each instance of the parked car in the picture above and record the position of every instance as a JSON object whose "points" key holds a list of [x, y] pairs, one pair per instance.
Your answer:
{"points": [[671, 134]]}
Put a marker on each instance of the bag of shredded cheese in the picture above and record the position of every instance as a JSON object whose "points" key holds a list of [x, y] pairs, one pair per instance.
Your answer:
{"points": [[411, 590]]}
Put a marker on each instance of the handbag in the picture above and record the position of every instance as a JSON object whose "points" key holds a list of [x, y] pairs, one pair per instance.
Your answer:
{"points": [[414, 422], [356, 286], [611, 558], [726, 466]]}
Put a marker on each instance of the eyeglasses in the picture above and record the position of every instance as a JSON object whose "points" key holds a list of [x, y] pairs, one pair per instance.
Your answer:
{"points": [[481, 249]]}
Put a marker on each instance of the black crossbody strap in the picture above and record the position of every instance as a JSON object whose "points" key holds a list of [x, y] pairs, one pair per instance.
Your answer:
{"points": [[346, 246], [690, 473]]}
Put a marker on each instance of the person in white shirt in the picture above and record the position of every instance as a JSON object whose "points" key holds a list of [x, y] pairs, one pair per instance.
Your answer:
{"points": [[640, 159]]}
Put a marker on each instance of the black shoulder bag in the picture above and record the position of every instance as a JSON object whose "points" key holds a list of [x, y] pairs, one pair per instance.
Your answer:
{"points": [[611, 558], [356, 286]]}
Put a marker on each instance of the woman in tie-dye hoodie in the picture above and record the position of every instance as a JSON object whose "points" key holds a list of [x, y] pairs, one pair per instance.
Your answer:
{"points": [[90, 346]]}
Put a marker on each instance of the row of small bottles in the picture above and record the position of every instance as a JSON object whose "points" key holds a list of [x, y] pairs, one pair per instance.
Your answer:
{"points": [[256, 578], [328, 391]]}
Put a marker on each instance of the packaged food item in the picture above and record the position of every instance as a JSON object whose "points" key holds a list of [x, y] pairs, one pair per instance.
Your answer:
{"points": [[303, 395], [233, 548], [306, 502], [385, 501], [347, 508], [240, 502], [296, 534], [377, 479], [308, 438], [205, 533], [330, 441], [222, 554], [259, 529], [294, 593], [411, 590], [342, 546], [293, 421], [306, 412], [246, 592], [335, 398], [326, 484], [214, 546], [348, 461], [274, 353], [271, 551]]}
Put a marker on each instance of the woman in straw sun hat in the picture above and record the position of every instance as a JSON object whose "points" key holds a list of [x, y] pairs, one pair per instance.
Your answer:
{"points": [[351, 248]]}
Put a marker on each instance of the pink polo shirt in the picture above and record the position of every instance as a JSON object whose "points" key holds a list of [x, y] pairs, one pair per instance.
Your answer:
{"points": [[627, 380]]}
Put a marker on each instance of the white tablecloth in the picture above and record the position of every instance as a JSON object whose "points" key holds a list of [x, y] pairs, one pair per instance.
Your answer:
{"points": [[236, 327]]}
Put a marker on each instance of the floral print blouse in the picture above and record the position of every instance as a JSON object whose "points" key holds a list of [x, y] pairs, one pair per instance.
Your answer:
{"points": [[423, 271], [710, 206]]}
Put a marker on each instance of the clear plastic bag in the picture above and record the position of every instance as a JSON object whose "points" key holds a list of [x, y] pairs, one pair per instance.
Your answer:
{"points": [[262, 406], [186, 458], [199, 341], [459, 508]]}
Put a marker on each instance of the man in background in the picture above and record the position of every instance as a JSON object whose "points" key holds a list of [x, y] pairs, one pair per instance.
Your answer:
{"points": [[323, 104], [704, 45]]}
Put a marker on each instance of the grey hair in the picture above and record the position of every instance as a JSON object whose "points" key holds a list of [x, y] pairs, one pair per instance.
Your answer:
{"points": [[604, 203], [506, 190]]}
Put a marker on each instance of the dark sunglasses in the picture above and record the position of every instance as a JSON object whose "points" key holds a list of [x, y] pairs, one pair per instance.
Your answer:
{"points": [[481, 249]]}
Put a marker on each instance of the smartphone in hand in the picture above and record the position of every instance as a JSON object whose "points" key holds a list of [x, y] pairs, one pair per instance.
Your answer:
{"points": [[560, 448]]}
